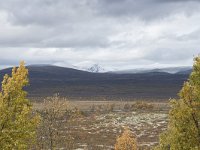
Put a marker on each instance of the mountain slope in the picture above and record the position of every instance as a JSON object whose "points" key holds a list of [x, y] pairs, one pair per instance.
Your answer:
{"points": [[171, 70], [47, 80]]}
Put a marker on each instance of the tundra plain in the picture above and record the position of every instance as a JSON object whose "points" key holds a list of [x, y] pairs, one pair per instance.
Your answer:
{"points": [[101, 122]]}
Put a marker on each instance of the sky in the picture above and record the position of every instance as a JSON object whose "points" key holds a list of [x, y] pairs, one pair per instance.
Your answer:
{"points": [[116, 34]]}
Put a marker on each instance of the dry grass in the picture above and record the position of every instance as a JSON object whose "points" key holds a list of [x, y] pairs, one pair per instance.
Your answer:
{"points": [[103, 121]]}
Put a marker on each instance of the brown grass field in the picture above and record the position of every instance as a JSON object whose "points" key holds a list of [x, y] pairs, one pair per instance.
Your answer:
{"points": [[103, 121]]}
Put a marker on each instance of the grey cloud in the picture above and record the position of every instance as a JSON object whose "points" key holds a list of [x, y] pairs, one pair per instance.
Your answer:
{"points": [[50, 13], [147, 10], [192, 36], [87, 22], [45, 12], [117, 33], [167, 55], [48, 23], [176, 1]]}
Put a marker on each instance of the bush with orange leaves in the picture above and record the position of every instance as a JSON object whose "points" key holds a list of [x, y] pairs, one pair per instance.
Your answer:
{"points": [[126, 141]]}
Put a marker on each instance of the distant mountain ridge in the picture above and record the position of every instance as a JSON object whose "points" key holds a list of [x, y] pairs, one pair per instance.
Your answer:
{"points": [[171, 70], [46, 80], [96, 68]]}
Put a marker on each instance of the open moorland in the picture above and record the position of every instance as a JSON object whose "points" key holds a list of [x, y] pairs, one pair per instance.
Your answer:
{"points": [[101, 122]]}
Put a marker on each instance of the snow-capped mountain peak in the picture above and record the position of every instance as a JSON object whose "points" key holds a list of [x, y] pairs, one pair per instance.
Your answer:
{"points": [[96, 68]]}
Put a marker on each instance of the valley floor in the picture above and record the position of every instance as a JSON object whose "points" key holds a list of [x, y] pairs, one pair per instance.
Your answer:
{"points": [[99, 128]]}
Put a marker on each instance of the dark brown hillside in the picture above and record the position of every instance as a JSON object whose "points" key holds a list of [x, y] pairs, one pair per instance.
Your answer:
{"points": [[47, 80]]}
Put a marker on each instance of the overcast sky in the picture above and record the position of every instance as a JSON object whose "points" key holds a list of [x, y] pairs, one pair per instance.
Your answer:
{"points": [[117, 34]]}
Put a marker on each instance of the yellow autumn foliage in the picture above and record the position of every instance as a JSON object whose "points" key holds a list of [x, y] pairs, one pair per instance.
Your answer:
{"points": [[17, 121], [126, 141], [183, 131]]}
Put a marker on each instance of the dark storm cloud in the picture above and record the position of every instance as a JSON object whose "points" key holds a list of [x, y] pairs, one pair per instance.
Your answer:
{"points": [[110, 32]]}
